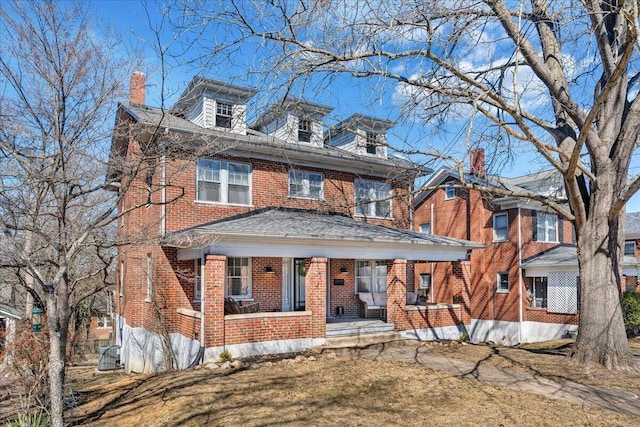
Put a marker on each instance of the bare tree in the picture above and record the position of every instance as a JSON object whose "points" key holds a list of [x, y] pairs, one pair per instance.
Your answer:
{"points": [[60, 75], [556, 79]]}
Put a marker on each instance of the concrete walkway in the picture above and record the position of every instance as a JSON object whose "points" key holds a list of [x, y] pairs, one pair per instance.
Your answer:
{"points": [[614, 400]]}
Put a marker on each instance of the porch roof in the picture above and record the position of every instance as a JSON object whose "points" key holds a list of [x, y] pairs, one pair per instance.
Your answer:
{"points": [[566, 257], [304, 233], [9, 311]]}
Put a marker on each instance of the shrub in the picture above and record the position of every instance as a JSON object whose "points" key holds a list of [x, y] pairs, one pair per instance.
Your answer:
{"points": [[631, 312], [225, 356]]}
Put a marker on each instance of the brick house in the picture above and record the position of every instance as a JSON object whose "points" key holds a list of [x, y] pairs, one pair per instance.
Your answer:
{"points": [[524, 283], [277, 212]]}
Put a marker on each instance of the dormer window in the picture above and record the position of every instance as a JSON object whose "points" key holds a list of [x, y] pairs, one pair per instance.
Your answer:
{"points": [[304, 130], [371, 145], [224, 112]]}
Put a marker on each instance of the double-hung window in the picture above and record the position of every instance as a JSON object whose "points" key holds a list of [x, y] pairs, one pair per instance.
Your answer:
{"points": [[224, 114], [105, 322], [547, 227], [449, 193], [630, 248], [371, 276], [305, 184], [373, 199], [503, 282], [197, 286], [371, 143], [539, 292], [425, 228], [304, 130], [500, 227], [149, 280], [238, 277], [223, 182]]}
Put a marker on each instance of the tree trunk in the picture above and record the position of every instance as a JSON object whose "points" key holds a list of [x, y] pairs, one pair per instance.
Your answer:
{"points": [[58, 325], [602, 337]]}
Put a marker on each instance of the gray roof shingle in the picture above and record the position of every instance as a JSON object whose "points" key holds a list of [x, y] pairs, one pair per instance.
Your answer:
{"points": [[564, 255], [287, 223]]}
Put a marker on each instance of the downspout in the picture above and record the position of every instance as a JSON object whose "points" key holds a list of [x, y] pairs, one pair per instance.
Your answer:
{"points": [[163, 207], [411, 207], [520, 314], [432, 226], [203, 296]]}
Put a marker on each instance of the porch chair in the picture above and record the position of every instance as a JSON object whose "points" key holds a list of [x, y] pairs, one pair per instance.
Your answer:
{"points": [[371, 304], [232, 306]]}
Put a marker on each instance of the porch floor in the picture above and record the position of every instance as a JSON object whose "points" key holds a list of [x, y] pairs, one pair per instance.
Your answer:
{"points": [[349, 326]]}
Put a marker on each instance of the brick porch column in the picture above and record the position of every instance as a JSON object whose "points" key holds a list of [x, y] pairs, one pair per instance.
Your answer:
{"points": [[461, 283], [397, 293], [213, 293], [316, 296]]}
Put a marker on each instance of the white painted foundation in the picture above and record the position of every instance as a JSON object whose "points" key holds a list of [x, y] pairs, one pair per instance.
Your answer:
{"points": [[506, 333], [433, 334], [211, 354]]}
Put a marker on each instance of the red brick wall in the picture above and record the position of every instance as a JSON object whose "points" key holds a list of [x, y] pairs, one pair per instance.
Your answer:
{"points": [[315, 282], [470, 216], [396, 292], [343, 295], [269, 188], [188, 326], [429, 317], [215, 267], [257, 329], [267, 287]]}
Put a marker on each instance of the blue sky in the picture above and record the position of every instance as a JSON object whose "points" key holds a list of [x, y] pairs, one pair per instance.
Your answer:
{"points": [[344, 94]]}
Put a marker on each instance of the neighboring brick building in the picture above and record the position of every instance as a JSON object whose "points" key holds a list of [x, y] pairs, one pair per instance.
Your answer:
{"points": [[278, 212], [524, 283]]}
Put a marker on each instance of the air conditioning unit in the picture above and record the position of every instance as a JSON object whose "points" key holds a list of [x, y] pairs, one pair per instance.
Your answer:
{"points": [[108, 358]]}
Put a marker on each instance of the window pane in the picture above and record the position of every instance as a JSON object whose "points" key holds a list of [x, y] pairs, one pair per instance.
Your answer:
{"points": [[209, 191], [238, 277], [500, 227], [381, 276], [238, 174], [238, 194]]}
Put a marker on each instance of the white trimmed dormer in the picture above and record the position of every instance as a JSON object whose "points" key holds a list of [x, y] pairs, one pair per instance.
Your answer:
{"points": [[294, 121], [214, 104], [361, 135]]}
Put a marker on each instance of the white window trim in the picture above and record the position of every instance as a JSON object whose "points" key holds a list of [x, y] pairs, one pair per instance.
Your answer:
{"points": [[197, 285], [371, 206], [373, 263], [106, 318], [544, 238], [249, 294], [122, 278], [500, 290], [306, 178], [302, 130], [230, 115], [446, 193], [224, 183], [149, 281], [495, 235], [426, 225]]}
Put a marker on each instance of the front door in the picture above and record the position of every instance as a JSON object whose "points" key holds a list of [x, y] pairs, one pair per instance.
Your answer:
{"points": [[298, 284]]}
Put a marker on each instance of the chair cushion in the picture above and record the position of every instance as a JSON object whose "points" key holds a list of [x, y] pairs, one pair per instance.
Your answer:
{"points": [[380, 298], [366, 297]]}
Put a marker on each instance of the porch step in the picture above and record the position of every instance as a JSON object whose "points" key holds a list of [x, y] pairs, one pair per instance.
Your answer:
{"points": [[364, 340], [357, 328]]}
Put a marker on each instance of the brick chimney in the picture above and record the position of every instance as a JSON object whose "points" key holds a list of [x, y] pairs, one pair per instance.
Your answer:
{"points": [[477, 162], [137, 88]]}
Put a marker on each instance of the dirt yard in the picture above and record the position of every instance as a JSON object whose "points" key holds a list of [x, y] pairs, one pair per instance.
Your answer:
{"points": [[335, 389]]}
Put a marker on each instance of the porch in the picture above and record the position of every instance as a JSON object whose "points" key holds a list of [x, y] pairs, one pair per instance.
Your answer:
{"points": [[308, 291]]}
